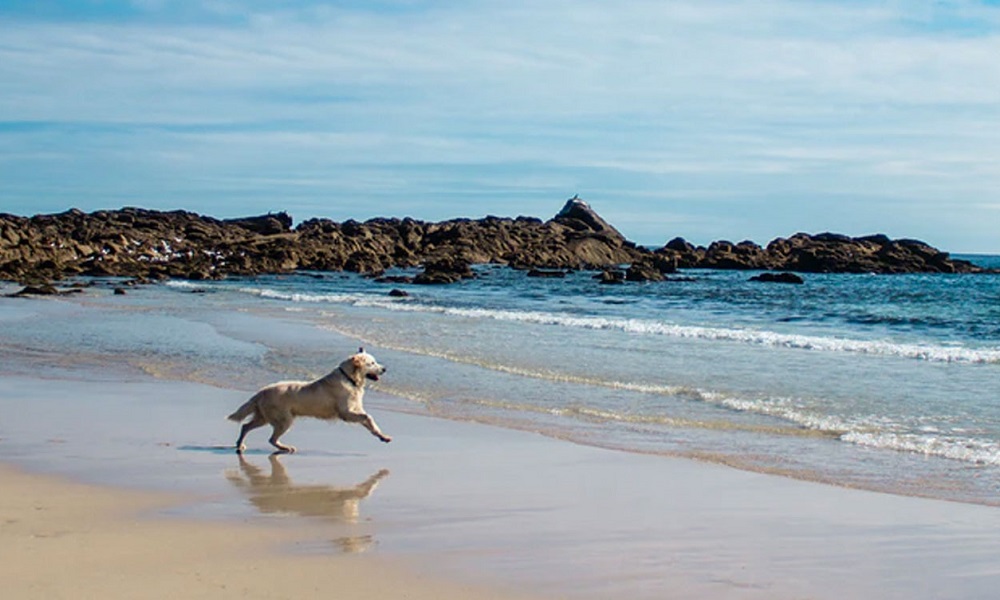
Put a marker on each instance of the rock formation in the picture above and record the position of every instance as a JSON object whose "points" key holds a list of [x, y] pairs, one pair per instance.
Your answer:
{"points": [[821, 253], [147, 244]]}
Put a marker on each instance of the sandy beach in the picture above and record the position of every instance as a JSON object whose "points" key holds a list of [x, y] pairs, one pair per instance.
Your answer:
{"points": [[72, 540], [109, 493]]}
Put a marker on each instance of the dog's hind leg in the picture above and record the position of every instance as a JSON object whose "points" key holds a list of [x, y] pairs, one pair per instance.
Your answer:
{"points": [[254, 423], [281, 425], [369, 423]]}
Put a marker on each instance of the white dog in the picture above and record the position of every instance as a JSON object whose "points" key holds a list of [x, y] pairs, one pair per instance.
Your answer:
{"points": [[334, 396]]}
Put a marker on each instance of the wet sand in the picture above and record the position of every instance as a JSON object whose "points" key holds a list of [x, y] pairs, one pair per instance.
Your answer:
{"points": [[71, 540], [129, 489]]}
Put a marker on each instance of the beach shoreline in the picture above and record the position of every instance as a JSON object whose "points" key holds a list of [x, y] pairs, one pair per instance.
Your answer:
{"points": [[463, 504]]}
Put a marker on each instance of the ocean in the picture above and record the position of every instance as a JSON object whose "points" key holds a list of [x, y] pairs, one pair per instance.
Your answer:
{"points": [[886, 383]]}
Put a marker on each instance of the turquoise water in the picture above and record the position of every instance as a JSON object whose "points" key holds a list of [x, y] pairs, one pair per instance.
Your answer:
{"points": [[889, 383]]}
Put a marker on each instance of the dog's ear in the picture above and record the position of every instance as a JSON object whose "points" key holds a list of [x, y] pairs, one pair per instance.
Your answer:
{"points": [[358, 361]]}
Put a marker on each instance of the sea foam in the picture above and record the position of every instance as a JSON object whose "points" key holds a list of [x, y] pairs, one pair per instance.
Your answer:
{"points": [[925, 352]]}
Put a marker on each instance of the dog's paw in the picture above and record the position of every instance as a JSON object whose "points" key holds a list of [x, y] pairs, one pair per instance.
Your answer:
{"points": [[386, 439]]}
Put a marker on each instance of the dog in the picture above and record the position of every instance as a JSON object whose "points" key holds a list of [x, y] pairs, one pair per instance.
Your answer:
{"points": [[337, 395]]}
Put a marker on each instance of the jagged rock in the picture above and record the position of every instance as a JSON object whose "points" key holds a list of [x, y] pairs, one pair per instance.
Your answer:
{"points": [[578, 215], [643, 270], [610, 277], [394, 279], [681, 254], [726, 255], [142, 243], [821, 253], [397, 293], [680, 245], [139, 243], [268, 224], [444, 271], [778, 278]]}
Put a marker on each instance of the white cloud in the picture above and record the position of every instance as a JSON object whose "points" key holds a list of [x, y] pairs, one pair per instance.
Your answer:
{"points": [[717, 98]]}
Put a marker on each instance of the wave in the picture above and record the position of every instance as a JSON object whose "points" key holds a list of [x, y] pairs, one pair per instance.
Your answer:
{"points": [[925, 352], [803, 422], [971, 450], [803, 425], [874, 435]]}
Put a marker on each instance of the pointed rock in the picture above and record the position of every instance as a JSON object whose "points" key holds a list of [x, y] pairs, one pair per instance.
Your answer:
{"points": [[578, 215]]}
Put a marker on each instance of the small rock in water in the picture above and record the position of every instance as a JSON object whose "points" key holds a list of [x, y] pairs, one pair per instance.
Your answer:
{"points": [[778, 278], [556, 274]]}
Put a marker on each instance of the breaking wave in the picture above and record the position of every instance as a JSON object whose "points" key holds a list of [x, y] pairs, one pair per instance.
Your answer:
{"points": [[925, 352]]}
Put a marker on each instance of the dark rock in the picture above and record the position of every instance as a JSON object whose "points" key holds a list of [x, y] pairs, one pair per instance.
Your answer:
{"points": [[778, 278], [681, 254], [578, 215], [119, 291], [269, 224], [726, 255], [643, 271], [679, 244], [552, 274], [37, 290], [821, 253], [446, 270], [394, 279], [397, 293], [663, 263], [610, 277], [365, 261]]}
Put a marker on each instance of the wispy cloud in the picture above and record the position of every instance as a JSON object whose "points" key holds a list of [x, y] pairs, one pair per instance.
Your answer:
{"points": [[775, 109]]}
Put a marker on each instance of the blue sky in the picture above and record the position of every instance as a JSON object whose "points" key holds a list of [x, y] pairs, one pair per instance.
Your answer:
{"points": [[708, 119]]}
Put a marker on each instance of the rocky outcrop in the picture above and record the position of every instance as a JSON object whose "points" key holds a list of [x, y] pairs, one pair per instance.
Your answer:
{"points": [[150, 245], [136, 242], [822, 253]]}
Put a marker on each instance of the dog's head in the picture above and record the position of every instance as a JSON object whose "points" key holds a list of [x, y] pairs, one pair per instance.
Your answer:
{"points": [[365, 365]]}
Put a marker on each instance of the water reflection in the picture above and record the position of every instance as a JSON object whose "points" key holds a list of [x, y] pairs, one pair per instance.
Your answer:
{"points": [[273, 492]]}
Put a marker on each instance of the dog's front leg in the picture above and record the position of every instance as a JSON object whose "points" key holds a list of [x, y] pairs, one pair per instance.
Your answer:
{"points": [[369, 423]]}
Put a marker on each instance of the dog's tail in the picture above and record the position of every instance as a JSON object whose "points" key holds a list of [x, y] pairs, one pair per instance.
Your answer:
{"points": [[244, 411]]}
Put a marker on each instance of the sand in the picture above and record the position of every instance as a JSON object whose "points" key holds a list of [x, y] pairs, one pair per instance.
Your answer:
{"points": [[69, 540], [127, 489]]}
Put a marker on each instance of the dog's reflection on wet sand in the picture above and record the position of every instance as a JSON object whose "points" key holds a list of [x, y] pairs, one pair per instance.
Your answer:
{"points": [[274, 493]]}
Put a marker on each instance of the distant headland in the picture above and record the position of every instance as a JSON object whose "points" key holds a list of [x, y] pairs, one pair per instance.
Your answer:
{"points": [[154, 245]]}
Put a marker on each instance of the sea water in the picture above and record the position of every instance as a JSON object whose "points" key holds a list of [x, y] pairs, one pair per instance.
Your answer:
{"points": [[889, 383]]}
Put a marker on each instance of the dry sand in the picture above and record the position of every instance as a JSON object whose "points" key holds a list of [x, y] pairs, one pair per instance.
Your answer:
{"points": [[76, 541]]}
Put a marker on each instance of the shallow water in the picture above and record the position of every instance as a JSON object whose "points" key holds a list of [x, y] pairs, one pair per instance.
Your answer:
{"points": [[881, 382]]}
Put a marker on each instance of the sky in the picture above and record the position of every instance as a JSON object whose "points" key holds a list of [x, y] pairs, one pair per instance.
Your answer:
{"points": [[705, 119]]}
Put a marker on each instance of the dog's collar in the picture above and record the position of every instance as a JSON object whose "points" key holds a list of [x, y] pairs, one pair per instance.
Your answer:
{"points": [[349, 378]]}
